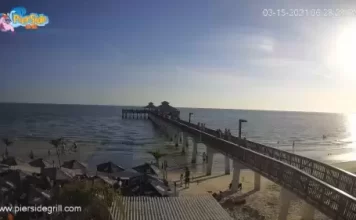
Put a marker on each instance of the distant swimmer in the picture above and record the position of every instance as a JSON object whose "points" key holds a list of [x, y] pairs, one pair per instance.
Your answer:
{"points": [[324, 136]]}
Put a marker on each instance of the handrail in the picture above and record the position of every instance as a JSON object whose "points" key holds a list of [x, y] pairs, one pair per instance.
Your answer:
{"points": [[328, 199], [334, 176]]}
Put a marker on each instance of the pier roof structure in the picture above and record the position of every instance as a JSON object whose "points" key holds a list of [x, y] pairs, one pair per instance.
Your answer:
{"points": [[150, 106], [166, 109]]}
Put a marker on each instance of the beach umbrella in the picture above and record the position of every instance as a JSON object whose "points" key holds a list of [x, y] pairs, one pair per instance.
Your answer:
{"points": [[39, 163], [74, 164], [56, 174], [126, 174], [147, 168], [109, 167], [11, 161], [157, 155]]}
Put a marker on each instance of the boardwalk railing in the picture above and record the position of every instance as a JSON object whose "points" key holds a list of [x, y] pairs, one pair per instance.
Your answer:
{"points": [[328, 199], [334, 176]]}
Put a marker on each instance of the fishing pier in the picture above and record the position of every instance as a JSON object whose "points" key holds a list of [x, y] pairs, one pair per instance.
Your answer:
{"points": [[320, 186]]}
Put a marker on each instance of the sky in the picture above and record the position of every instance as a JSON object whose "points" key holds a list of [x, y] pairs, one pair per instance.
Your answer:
{"points": [[192, 53]]}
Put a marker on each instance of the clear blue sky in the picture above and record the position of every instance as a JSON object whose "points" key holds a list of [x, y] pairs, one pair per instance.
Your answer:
{"points": [[193, 53]]}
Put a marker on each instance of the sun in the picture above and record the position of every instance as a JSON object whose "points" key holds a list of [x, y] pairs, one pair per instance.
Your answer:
{"points": [[342, 52]]}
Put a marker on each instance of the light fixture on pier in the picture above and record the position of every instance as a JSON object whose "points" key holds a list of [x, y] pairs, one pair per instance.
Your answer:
{"points": [[240, 123], [190, 115]]}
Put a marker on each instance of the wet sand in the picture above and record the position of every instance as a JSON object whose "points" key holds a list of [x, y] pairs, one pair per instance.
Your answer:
{"points": [[348, 166]]}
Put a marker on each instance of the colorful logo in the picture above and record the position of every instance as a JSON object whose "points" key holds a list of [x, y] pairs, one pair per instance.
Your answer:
{"points": [[18, 18]]}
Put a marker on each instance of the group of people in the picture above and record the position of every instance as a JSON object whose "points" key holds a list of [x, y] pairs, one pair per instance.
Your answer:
{"points": [[201, 126], [164, 165], [186, 177], [63, 149], [225, 135], [164, 168]]}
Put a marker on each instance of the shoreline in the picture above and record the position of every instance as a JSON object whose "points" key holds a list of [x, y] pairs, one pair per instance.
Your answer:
{"points": [[21, 149]]}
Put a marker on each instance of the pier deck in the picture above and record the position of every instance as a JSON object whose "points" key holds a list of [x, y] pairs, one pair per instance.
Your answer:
{"points": [[327, 188]]}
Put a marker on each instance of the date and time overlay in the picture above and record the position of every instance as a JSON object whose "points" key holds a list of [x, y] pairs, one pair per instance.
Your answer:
{"points": [[315, 12]]}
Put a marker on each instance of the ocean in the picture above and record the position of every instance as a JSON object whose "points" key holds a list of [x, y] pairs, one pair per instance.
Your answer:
{"points": [[126, 141]]}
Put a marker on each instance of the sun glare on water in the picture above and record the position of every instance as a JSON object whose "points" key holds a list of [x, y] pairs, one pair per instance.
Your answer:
{"points": [[352, 126]]}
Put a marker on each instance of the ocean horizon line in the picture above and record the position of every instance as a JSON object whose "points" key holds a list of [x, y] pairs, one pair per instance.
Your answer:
{"points": [[182, 107]]}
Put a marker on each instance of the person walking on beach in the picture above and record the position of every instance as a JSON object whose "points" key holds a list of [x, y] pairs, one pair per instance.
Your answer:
{"points": [[187, 177], [165, 165], [175, 188], [293, 147], [204, 156]]}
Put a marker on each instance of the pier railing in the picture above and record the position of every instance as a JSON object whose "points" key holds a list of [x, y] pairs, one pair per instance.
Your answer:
{"points": [[334, 176], [328, 199]]}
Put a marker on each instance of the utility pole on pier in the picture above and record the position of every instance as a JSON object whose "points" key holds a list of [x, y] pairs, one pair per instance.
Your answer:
{"points": [[190, 115], [240, 123]]}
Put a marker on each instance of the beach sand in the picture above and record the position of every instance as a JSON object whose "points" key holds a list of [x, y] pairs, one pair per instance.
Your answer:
{"points": [[22, 148], [265, 202], [348, 166]]}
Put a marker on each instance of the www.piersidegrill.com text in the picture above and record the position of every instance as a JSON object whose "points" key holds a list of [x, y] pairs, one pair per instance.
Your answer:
{"points": [[40, 208]]}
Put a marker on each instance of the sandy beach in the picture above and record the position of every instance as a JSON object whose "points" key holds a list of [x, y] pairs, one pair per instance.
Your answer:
{"points": [[21, 149], [348, 166], [265, 202]]}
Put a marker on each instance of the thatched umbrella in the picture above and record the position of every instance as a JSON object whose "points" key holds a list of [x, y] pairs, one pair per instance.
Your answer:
{"points": [[74, 164], [109, 167], [147, 168], [56, 174], [157, 155], [39, 162], [11, 161]]}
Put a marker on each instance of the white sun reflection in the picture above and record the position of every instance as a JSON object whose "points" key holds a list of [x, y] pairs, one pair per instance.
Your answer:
{"points": [[352, 126]]}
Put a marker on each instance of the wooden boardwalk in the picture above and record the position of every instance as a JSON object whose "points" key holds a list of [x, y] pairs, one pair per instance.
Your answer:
{"points": [[328, 189]]}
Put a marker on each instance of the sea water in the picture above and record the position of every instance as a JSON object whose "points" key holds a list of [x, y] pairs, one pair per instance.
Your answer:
{"points": [[327, 137]]}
